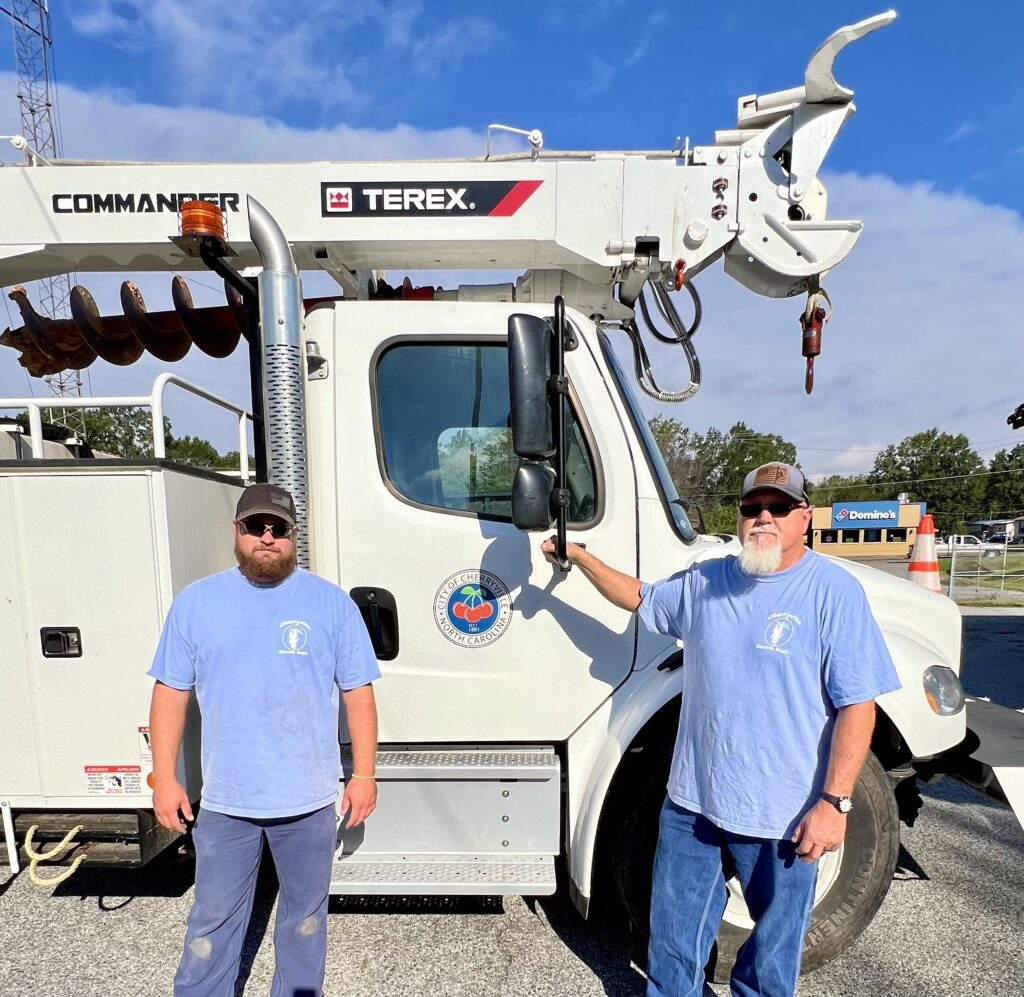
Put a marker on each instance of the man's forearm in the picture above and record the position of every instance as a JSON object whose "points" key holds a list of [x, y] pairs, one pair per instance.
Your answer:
{"points": [[617, 587], [361, 717], [166, 728], [851, 739]]}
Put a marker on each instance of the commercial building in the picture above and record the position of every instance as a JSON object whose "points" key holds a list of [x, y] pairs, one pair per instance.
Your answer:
{"points": [[865, 529]]}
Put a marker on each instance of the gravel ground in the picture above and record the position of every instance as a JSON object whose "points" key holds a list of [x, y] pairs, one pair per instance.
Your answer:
{"points": [[951, 925]]}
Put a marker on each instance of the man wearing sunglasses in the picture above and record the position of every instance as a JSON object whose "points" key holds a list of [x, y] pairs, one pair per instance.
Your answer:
{"points": [[271, 653], [783, 663]]}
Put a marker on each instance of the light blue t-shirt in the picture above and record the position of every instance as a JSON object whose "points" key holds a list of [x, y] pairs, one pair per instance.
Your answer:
{"points": [[768, 661], [266, 662]]}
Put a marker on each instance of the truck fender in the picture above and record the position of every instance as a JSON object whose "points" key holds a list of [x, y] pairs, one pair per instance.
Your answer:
{"points": [[594, 752], [923, 731]]}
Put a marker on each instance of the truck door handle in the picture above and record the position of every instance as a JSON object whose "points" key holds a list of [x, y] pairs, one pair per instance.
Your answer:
{"points": [[380, 614]]}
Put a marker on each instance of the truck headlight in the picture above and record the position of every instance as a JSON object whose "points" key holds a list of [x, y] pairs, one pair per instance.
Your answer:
{"points": [[943, 690]]}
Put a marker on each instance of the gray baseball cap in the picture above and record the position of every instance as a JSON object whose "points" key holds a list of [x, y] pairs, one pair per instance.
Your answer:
{"points": [[778, 476], [271, 500]]}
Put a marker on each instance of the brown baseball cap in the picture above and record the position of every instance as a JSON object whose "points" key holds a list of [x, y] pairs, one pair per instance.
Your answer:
{"points": [[271, 500], [781, 477]]}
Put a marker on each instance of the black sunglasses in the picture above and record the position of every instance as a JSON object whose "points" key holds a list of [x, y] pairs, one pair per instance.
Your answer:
{"points": [[253, 526], [777, 510]]}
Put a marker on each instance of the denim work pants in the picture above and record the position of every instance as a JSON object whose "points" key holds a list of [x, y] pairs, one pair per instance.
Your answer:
{"points": [[228, 853], [689, 898]]}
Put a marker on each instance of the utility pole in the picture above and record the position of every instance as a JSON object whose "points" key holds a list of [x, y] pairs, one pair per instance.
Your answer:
{"points": [[33, 56]]}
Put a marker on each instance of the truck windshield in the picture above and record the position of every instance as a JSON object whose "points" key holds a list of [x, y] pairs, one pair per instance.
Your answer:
{"points": [[673, 503]]}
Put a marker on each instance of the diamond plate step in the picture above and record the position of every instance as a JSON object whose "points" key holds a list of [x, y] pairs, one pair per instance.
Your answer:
{"points": [[517, 763], [444, 875]]}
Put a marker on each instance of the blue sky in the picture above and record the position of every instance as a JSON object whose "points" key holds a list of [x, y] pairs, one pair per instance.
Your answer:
{"points": [[933, 162]]}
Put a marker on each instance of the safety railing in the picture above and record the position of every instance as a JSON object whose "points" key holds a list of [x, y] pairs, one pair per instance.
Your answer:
{"points": [[154, 402]]}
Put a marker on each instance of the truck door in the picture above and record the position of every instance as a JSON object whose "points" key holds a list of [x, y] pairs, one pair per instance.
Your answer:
{"points": [[410, 472]]}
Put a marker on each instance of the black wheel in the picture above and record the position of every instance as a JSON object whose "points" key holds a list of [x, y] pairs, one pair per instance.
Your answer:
{"points": [[852, 882]]}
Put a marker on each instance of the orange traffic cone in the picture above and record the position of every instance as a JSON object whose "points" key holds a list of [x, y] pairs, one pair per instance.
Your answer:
{"points": [[924, 563]]}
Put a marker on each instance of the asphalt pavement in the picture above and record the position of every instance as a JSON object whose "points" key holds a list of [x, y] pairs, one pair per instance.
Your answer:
{"points": [[951, 925]]}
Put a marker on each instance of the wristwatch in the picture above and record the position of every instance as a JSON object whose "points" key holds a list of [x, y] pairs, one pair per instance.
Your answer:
{"points": [[842, 803]]}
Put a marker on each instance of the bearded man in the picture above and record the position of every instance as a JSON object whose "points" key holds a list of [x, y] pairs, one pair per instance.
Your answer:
{"points": [[783, 663], [266, 648]]}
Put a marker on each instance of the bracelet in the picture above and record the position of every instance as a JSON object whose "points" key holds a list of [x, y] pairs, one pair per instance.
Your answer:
{"points": [[371, 778]]}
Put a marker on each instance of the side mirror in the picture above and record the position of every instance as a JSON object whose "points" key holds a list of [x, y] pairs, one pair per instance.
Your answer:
{"points": [[532, 488], [537, 392], [530, 348]]}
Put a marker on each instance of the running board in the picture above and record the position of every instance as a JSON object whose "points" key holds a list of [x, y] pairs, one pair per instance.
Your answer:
{"points": [[444, 875], [471, 821]]}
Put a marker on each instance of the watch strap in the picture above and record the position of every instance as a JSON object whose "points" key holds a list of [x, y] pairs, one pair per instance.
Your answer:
{"points": [[842, 803]]}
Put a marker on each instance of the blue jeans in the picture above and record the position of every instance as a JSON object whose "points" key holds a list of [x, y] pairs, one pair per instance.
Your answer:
{"points": [[228, 851], [689, 897]]}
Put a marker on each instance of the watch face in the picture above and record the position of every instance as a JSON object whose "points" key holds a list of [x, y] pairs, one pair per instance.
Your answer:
{"points": [[845, 804]]}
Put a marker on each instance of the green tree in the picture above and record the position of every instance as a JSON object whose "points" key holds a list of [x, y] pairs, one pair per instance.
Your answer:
{"points": [[128, 432], [938, 468], [192, 450], [837, 488], [742, 451], [123, 432], [708, 468], [1004, 491]]}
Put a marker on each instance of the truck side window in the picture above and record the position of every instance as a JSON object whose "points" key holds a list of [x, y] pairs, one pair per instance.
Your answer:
{"points": [[443, 411]]}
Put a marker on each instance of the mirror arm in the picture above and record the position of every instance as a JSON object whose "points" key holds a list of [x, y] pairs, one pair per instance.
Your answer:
{"points": [[558, 389]]}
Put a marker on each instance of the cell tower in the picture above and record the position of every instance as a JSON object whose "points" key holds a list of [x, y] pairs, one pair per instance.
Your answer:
{"points": [[33, 55]]}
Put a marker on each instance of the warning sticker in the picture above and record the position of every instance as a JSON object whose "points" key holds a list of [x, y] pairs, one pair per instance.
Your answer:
{"points": [[113, 780], [145, 749]]}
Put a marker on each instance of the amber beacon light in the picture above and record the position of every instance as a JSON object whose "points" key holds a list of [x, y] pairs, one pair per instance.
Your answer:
{"points": [[199, 218]]}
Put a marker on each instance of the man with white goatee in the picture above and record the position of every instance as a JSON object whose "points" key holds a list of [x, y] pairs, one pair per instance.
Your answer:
{"points": [[783, 663]]}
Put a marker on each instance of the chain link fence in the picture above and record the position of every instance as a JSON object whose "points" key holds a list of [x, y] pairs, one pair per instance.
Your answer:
{"points": [[995, 576]]}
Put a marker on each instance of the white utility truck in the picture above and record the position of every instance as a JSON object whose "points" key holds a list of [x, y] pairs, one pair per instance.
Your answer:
{"points": [[525, 723]]}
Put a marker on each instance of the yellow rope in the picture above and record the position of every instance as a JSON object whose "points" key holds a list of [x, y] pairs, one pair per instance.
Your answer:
{"points": [[54, 853]]}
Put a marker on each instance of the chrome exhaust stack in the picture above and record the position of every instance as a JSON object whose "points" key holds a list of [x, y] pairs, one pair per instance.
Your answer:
{"points": [[284, 383]]}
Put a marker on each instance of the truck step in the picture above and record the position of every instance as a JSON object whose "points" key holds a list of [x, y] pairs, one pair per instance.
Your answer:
{"points": [[444, 875], [520, 763], [480, 805]]}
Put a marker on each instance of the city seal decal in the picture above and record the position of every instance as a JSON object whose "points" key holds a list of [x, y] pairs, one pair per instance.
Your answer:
{"points": [[473, 608]]}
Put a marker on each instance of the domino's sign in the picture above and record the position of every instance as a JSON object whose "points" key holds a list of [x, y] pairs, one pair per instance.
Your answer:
{"points": [[865, 515]]}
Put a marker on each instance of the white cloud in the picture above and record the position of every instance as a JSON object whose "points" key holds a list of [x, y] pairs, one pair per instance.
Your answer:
{"points": [[598, 79], [258, 54], [653, 25], [444, 48], [108, 125], [264, 54], [961, 131]]}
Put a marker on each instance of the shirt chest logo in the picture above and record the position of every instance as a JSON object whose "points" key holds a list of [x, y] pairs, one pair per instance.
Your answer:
{"points": [[778, 632], [294, 637]]}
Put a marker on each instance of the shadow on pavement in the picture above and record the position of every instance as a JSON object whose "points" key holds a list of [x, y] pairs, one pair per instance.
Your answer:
{"points": [[170, 874], [602, 942]]}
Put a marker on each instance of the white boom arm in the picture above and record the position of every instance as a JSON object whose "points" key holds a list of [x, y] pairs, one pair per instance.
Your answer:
{"points": [[596, 215]]}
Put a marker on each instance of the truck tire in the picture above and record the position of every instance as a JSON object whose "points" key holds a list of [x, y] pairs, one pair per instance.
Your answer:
{"points": [[852, 882]]}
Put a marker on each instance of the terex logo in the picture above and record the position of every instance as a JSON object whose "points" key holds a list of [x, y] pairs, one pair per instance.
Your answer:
{"points": [[493, 198], [338, 199]]}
